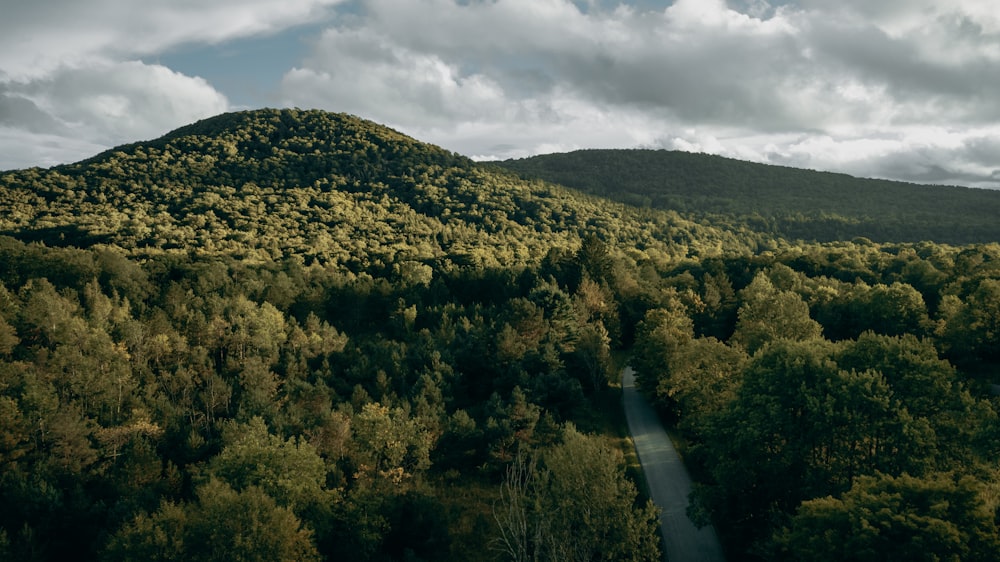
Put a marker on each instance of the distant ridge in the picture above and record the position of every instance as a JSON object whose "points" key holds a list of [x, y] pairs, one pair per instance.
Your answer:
{"points": [[791, 202]]}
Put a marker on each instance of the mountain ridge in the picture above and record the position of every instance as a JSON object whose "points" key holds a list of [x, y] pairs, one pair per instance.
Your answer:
{"points": [[218, 183], [792, 202]]}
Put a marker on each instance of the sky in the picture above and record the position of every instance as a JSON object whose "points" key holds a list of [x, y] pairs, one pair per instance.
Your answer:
{"points": [[897, 89]]}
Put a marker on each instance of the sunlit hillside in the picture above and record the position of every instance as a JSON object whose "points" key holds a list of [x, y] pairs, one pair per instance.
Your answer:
{"points": [[298, 335]]}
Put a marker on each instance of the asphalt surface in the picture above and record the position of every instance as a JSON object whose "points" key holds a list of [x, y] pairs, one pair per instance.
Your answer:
{"points": [[668, 481]]}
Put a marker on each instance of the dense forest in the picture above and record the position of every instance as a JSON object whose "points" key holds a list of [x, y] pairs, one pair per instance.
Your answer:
{"points": [[792, 203], [296, 335]]}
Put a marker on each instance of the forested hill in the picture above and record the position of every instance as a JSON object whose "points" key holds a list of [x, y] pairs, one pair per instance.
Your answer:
{"points": [[298, 335], [330, 188], [791, 202]]}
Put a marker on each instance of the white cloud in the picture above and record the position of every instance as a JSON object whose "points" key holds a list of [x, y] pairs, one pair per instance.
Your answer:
{"points": [[923, 154], [40, 36], [70, 84], [130, 98], [874, 88], [77, 112], [846, 86], [22, 148], [369, 74]]}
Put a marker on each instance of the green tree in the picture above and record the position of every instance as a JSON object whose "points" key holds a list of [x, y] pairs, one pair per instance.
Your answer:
{"points": [[288, 470], [939, 518], [594, 258], [222, 525], [390, 445], [704, 376], [592, 356], [577, 506], [928, 387], [971, 327], [662, 333], [895, 310], [801, 427], [767, 314], [8, 337]]}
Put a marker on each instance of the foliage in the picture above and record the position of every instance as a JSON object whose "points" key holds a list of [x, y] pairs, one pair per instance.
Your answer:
{"points": [[941, 517], [573, 504], [223, 525], [788, 202], [306, 323]]}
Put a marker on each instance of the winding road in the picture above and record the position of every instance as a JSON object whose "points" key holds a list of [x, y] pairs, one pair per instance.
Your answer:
{"points": [[668, 481]]}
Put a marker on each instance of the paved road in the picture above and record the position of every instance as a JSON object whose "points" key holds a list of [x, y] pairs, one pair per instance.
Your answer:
{"points": [[668, 480]]}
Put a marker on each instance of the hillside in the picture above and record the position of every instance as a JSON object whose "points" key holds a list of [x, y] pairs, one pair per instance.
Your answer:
{"points": [[299, 335], [789, 202], [268, 184]]}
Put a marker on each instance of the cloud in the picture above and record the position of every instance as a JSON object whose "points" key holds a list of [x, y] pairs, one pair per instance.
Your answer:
{"points": [[895, 88], [370, 74], [851, 86], [72, 113], [39, 37], [71, 84], [920, 154], [23, 148]]}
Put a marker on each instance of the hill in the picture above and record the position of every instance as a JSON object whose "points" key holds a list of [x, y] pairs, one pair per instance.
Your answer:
{"points": [[789, 202], [332, 188], [307, 323], [299, 335]]}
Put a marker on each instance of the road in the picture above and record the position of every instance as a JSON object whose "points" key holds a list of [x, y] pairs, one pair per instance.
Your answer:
{"points": [[668, 480]]}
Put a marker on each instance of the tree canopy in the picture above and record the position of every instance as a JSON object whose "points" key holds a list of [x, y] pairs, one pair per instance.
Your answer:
{"points": [[286, 334]]}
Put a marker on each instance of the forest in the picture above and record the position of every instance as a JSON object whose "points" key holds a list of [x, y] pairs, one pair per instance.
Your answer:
{"points": [[788, 202], [299, 335]]}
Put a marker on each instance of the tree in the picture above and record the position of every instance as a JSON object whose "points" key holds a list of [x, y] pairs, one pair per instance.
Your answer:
{"points": [[592, 356], [767, 314], [47, 317], [660, 335], [971, 327], [289, 471], [895, 310], [703, 378], [8, 337], [802, 427], [254, 330], [222, 525], [519, 527], [390, 445], [939, 518], [578, 505], [719, 314], [927, 386], [594, 258], [510, 425]]}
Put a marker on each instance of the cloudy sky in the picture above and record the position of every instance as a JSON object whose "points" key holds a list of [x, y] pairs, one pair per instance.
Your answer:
{"points": [[901, 89]]}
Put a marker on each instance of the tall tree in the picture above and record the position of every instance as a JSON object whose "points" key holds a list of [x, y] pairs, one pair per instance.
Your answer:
{"points": [[223, 524], [576, 505], [767, 314], [801, 427], [938, 518]]}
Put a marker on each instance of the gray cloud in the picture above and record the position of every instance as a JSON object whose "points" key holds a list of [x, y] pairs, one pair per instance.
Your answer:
{"points": [[100, 106], [37, 37], [70, 85], [899, 88], [18, 112], [29, 149], [895, 88]]}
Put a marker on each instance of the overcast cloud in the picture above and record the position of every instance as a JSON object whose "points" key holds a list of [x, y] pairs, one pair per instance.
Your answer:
{"points": [[903, 89]]}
